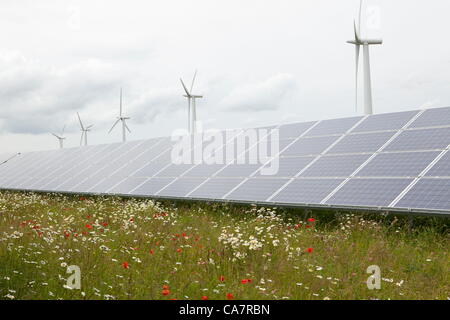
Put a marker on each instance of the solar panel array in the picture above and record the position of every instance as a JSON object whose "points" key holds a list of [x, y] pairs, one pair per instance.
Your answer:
{"points": [[396, 161]]}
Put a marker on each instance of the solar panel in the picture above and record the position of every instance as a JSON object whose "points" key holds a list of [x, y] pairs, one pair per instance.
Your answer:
{"points": [[441, 168], [309, 146], [397, 161], [181, 187], [428, 194], [335, 166], [369, 192], [388, 121], [215, 188], [424, 139], [433, 118], [358, 143], [405, 164], [335, 126], [287, 167], [256, 189], [306, 191]]}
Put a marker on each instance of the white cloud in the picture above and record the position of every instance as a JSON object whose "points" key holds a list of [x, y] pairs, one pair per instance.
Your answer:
{"points": [[263, 96]]}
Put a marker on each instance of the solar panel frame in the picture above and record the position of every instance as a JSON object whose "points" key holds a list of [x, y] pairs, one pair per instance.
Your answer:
{"points": [[405, 141]]}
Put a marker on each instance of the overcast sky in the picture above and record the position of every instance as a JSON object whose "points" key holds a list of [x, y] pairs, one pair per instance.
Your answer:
{"points": [[259, 62]]}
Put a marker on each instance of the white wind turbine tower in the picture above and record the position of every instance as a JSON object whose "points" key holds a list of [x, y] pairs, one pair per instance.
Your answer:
{"points": [[60, 138], [84, 131], [122, 119], [192, 120], [358, 42]]}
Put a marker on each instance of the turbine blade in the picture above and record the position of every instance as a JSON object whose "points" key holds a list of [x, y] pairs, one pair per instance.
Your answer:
{"points": [[64, 129], [356, 32], [114, 125], [81, 140], [184, 87], [359, 21], [56, 135], [81, 123], [125, 124], [193, 80], [357, 49]]}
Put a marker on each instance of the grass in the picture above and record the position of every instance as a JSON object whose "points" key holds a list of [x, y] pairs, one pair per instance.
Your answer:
{"points": [[139, 249]]}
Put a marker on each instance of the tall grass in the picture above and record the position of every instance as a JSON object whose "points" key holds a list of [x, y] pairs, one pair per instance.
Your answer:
{"points": [[139, 249]]}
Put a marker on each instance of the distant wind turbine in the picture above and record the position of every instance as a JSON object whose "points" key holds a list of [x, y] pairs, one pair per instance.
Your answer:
{"points": [[192, 119], [358, 42], [123, 119], [84, 131], [60, 138]]}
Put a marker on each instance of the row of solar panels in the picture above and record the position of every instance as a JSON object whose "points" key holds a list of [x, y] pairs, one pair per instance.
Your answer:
{"points": [[397, 160]]}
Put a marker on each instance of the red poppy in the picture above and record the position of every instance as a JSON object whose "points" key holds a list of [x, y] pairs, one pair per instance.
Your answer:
{"points": [[66, 234], [230, 296], [165, 292], [307, 226], [204, 298], [311, 220], [105, 224], [125, 265], [244, 281], [309, 250], [183, 235], [152, 252], [179, 250], [221, 278], [88, 226], [165, 287]]}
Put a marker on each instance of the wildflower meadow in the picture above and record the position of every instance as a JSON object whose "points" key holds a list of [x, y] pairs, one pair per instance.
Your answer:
{"points": [[142, 249]]}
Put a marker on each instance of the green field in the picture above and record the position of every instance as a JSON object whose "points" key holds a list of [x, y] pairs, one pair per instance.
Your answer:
{"points": [[140, 249]]}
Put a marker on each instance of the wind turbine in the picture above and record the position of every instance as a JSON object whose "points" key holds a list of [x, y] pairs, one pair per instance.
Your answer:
{"points": [[84, 131], [192, 120], [61, 138], [123, 119], [358, 42]]}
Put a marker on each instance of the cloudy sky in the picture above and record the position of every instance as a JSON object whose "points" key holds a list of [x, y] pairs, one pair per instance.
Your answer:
{"points": [[259, 62]]}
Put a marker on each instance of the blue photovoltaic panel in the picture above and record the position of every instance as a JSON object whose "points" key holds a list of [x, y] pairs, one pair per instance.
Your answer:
{"points": [[428, 194], [441, 168], [257, 189], [360, 143], [433, 118], [126, 186], [151, 186], [423, 139], [216, 188], [369, 192], [174, 170], [204, 170], [362, 162], [238, 170], [335, 166], [336, 126], [181, 187], [309, 146], [405, 164], [306, 191], [285, 167], [388, 121]]}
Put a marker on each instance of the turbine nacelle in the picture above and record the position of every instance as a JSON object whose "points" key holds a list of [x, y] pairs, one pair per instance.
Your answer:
{"points": [[192, 119], [122, 119]]}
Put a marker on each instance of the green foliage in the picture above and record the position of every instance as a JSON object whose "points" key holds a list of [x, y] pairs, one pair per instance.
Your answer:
{"points": [[141, 249]]}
